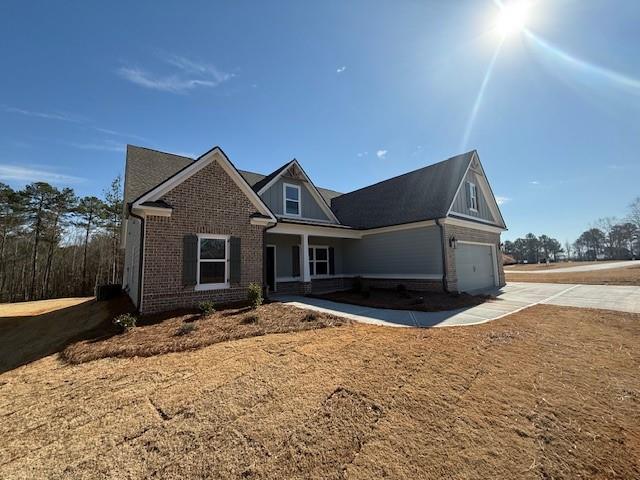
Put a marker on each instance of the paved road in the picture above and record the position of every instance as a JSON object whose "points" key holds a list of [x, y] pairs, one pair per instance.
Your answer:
{"points": [[512, 298], [581, 268]]}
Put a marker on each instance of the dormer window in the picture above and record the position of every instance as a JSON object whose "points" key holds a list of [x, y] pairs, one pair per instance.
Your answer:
{"points": [[291, 199], [472, 196]]}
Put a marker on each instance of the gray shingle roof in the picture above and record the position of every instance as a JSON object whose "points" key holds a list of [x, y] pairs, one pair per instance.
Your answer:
{"points": [[424, 194], [146, 169]]}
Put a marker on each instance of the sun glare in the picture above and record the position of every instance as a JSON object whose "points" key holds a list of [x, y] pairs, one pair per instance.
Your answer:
{"points": [[512, 18]]}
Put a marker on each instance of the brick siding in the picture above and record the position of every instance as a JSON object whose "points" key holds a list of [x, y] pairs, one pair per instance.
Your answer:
{"points": [[207, 202]]}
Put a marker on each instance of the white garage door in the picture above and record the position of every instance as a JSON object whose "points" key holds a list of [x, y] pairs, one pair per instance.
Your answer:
{"points": [[474, 266]]}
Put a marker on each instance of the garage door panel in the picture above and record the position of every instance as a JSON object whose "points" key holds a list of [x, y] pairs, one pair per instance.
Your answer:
{"points": [[474, 266]]}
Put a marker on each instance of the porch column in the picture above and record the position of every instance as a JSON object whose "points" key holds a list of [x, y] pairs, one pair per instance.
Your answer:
{"points": [[306, 276]]}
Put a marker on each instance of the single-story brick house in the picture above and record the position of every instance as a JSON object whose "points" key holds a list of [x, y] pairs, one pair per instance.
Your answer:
{"points": [[203, 230]]}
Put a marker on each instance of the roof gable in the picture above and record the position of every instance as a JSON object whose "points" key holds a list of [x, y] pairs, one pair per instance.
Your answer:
{"points": [[294, 170], [214, 155], [489, 211]]}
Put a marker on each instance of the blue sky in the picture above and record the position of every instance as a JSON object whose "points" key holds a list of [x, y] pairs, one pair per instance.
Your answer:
{"points": [[357, 91]]}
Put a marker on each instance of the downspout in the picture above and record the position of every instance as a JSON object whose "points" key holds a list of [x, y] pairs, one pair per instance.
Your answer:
{"points": [[141, 259], [444, 255]]}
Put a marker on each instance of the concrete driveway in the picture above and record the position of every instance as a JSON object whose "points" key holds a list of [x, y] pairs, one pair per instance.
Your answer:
{"points": [[581, 268], [512, 298]]}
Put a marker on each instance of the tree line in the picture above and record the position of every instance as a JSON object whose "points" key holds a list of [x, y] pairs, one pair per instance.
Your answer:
{"points": [[607, 239], [56, 244]]}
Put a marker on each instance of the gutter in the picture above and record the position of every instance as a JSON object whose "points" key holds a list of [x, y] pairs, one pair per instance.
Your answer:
{"points": [[444, 255], [141, 260]]}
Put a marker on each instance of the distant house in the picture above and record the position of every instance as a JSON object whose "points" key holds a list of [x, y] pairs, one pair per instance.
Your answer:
{"points": [[202, 229]]}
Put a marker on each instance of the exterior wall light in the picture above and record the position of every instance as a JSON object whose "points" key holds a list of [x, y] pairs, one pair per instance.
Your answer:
{"points": [[453, 242]]}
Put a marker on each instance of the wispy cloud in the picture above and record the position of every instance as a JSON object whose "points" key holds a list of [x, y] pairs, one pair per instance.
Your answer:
{"points": [[65, 117], [108, 146], [68, 117], [115, 133], [362, 154], [381, 153], [28, 174], [534, 182], [187, 74], [502, 200], [341, 69]]}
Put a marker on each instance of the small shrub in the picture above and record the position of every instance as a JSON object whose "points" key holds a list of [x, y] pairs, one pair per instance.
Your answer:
{"points": [[254, 295], [310, 317], [207, 308], [401, 288], [357, 284], [126, 321], [249, 319], [365, 291], [185, 329]]}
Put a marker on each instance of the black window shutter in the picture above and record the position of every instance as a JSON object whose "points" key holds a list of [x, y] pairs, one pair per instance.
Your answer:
{"points": [[332, 262], [189, 260], [235, 267], [295, 261]]}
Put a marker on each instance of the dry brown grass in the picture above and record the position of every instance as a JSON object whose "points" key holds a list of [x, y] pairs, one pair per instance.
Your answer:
{"points": [[549, 392], [552, 266], [406, 300], [33, 330], [26, 309], [617, 276], [192, 331]]}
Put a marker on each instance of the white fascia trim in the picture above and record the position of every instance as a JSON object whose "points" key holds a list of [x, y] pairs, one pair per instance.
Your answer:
{"points": [[147, 211], [316, 231], [263, 222], [382, 276], [215, 154], [397, 228], [477, 219], [320, 231], [473, 225], [314, 191], [488, 193], [475, 155]]}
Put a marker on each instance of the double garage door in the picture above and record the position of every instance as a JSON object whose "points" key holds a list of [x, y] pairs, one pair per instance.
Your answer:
{"points": [[475, 266]]}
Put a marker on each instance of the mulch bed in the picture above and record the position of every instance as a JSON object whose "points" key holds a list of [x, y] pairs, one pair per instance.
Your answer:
{"points": [[188, 331], [406, 300]]}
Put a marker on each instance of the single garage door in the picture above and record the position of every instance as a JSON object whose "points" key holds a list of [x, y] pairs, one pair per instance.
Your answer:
{"points": [[474, 266]]}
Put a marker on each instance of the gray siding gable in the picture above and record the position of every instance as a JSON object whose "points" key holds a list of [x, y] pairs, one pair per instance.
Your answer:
{"points": [[273, 197], [460, 204]]}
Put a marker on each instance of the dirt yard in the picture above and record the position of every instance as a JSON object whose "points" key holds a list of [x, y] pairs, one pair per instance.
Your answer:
{"points": [[406, 299], [616, 276], [177, 333], [549, 392], [552, 266]]}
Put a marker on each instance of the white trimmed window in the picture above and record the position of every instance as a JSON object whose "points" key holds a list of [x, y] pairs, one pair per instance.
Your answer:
{"points": [[213, 262], [318, 261], [473, 197], [292, 203]]}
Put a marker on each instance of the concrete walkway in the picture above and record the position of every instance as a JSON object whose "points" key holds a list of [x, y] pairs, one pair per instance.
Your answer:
{"points": [[581, 268], [512, 298]]}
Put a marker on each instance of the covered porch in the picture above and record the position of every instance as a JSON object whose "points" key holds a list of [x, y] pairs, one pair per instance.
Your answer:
{"points": [[303, 258]]}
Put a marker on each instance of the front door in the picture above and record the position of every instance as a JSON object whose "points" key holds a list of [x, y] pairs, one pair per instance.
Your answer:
{"points": [[271, 267]]}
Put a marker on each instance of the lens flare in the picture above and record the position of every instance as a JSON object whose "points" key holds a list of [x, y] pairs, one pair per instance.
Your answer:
{"points": [[512, 18]]}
